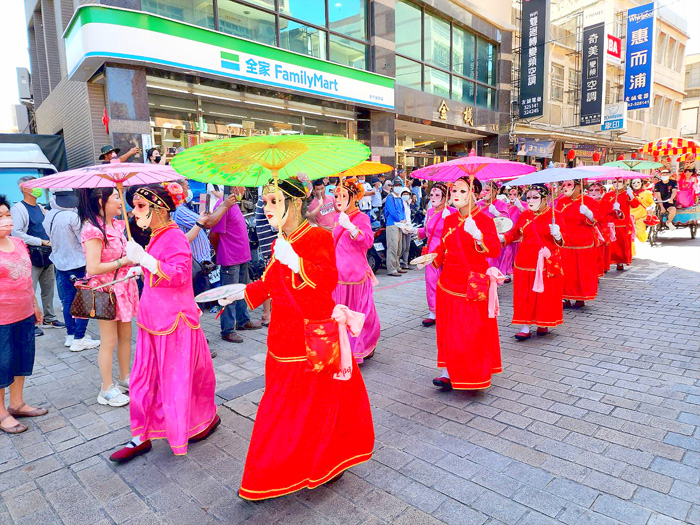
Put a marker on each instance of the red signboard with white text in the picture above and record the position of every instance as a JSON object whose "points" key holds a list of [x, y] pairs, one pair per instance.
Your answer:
{"points": [[614, 48]]}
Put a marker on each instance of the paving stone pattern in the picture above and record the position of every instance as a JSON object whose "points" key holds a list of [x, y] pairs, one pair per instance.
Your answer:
{"points": [[597, 423]]}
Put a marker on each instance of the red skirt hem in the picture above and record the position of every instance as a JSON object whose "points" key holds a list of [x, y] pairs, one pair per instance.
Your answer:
{"points": [[255, 495], [539, 323]]}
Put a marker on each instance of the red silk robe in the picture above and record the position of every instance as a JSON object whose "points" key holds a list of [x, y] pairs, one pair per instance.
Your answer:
{"points": [[309, 427], [544, 308], [621, 247], [579, 257], [467, 339], [603, 226]]}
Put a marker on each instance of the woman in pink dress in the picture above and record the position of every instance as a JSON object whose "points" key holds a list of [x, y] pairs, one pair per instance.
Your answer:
{"points": [[687, 188], [432, 233], [172, 383], [494, 207], [353, 236], [104, 245]]}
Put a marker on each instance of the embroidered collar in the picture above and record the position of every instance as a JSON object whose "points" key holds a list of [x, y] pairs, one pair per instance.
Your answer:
{"points": [[299, 232], [158, 231]]}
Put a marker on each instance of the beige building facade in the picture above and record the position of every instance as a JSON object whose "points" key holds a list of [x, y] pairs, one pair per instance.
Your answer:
{"points": [[561, 120]]}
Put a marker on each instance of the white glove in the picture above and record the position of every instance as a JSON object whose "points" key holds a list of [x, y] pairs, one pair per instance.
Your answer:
{"points": [[501, 238], [420, 266], [232, 298], [285, 254], [616, 206], [134, 251], [650, 209], [519, 204], [555, 230], [134, 271], [136, 254], [471, 228], [586, 212], [494, 211], [346, 223], [445, 212], [630, 193], [503, 198]]}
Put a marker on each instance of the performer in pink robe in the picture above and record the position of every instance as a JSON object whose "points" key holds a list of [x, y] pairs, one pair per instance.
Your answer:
{"points": [[493, 207], [172, 382], [353, 236], [432, 233]]}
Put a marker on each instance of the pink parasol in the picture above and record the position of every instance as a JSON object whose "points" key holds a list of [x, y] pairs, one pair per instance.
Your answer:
{"points": [[609, 173], [113, 175], [483, 168]]}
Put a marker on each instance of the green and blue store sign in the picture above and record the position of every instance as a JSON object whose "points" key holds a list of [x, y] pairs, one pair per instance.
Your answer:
{"points": [[98, 34]]}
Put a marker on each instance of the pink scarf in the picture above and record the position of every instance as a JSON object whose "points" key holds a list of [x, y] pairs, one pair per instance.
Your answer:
{"points": [[538, 285], [352, 321], [613, 236], [496, 278]]}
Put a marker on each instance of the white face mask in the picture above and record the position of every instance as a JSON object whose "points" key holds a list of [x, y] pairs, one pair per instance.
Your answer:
{"points": [[398, 190], [190, 196], [636, 184], [6, 225], [534, 204], [665, 178], [405, 198]]}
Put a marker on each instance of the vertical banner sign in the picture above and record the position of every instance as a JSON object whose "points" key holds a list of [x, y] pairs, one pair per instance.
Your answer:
{"points": [[639, 58], [532, 57], [593, 76]]}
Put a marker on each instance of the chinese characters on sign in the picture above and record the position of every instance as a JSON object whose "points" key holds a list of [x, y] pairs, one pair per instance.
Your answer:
{"points": [[593, 81], [468, 116], [532, 63], [639, 58], [442, 110]]}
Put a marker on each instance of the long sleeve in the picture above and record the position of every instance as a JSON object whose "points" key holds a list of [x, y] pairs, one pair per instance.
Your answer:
{"points": [[256, 293], [175, 269], [490, 241], [516, 232], [365, 236], [317, 268], [20, 218]]}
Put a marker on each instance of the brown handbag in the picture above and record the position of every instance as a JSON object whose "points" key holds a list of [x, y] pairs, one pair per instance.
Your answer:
{"points": [[94, 304]]}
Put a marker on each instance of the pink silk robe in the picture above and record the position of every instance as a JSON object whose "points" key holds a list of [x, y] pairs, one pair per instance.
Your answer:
{"points": [[504, 261], [172, 382], [356, 281], [432, 232]]}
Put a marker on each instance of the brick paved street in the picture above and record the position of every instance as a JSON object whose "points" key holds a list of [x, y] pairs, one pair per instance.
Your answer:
{"points": [[597, 423]]}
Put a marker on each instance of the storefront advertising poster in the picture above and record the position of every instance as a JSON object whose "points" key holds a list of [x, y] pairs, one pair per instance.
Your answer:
{"points": [[594, 52], [534, 31], [639, 57], [529, 147], [615, 117]]}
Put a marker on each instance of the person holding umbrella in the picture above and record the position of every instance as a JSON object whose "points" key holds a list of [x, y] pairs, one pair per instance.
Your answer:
{"points": [[310, 426], [538, 277], [580, 257], [605, 228], [468, 352], [493, 207], [172, 382], [353, 236], [619, 201]]}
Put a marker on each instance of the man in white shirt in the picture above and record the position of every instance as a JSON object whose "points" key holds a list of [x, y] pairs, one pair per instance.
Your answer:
{"points": [[365, 204]]}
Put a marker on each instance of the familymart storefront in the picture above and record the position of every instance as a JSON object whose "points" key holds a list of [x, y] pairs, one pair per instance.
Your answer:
{"points": [[173, 85]]}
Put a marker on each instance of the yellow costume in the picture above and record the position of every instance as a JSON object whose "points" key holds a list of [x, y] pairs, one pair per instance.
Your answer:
{"points": [[639, 213]]}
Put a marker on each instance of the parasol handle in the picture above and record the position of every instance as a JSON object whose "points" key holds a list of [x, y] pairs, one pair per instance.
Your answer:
{"points": [[471, 193], [275, 177], [120, 189], [581, 191]]}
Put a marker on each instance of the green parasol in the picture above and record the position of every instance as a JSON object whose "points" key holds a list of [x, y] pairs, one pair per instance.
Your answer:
{"points": [[634, 164], [252, 161]]}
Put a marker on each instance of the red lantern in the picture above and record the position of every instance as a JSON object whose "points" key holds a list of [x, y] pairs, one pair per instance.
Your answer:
{"points": [[596, 156], [634, 155], [656, 158], [621, 157], [571, 155]]}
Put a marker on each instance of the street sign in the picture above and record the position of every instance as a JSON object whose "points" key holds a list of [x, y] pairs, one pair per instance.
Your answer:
{"points": [[534, 31], [593, 78], [639, 58], [615, 117]]}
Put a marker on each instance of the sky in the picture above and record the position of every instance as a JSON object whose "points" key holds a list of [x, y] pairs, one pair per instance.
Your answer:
{"points": [[13, 43]]}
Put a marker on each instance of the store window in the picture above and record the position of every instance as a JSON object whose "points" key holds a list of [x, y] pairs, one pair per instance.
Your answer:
{"points": [[463, 52], [454, 62], [247, 22], [408, 73], [312, 11], [348, 18], [302, 39], [436, 41], [408, 30], [197, 12], [573, 88], [348, 52]]}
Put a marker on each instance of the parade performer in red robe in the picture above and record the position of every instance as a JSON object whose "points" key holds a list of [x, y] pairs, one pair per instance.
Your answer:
{"points": [[310, 426], [172, 383], [619, 203], [469, 351], [579, 257], [604, 228], [538, 279]]}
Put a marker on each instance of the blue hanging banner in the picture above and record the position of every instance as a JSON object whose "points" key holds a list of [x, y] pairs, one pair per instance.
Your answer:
{"points": [[639, 58]]}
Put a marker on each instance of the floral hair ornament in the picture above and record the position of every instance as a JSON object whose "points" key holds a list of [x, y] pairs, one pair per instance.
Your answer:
{"points": [[177, 194], [355, 189], [539, 188]]}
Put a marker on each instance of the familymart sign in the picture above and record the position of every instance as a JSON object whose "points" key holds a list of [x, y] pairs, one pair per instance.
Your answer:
{"points": [[99, 34]]}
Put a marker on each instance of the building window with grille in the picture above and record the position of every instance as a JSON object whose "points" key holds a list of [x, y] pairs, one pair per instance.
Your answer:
{"points": [[557, 83], [572, 89]]}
